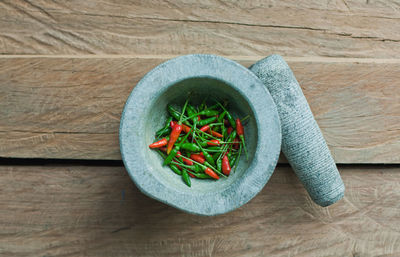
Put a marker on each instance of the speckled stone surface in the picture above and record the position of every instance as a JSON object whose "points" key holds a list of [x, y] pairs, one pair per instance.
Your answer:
{"points": [[204, 75], [302, 140]]}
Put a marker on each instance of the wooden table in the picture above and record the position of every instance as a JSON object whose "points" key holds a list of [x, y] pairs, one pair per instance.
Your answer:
{"points": [[67, 67]]}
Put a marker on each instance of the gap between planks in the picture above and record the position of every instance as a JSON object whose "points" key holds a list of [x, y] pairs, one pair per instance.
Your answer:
{"points": [[234, 57]]}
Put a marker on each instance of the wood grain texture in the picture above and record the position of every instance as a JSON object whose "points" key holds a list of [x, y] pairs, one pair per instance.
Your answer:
{"points": [[340, 28], [70, 107], [97, 211]]}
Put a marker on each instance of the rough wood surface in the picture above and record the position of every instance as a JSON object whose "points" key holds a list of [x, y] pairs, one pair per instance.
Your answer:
{"points": [[340, 28], [70, 107], [97, 211]]}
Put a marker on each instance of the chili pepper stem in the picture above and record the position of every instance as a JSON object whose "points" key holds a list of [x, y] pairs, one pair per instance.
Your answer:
{"points": [[161, 153], [244, 147], [215, 124], [213, 151], [226, 146], [194, 131], [245, 118], [237, 159], [176, 161], [183, 111], [229, 116], [198, 130]]}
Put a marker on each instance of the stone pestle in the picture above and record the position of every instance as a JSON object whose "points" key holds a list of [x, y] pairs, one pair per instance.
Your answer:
{"points": [[302, 140]]}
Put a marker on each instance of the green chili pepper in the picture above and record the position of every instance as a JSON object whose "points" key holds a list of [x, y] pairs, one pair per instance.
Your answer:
{"points": [[204, 143], [219, 164], [202, 175], [221, 117], [213, 107], [174, 113], [166, 129], [215, 148], [175, 169], [191, 112], [186, 178], [225, 133], [171, 155], [208, 157], [208, 112], [206, 121], [215, 156], [232, 136], [232, 160], [190, 147], [223, 130], [231, 119], [197, 168]]}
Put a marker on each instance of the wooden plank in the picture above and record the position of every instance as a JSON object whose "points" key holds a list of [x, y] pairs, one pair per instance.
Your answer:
{"points": [[300, 28], [97, 211], [70, 107]]}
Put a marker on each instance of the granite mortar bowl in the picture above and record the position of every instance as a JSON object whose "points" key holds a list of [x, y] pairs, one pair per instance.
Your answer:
{"points": [[203, 76]]}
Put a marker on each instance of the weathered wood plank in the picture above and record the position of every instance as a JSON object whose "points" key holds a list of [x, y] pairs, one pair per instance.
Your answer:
{"points": [[97, 211], [297, 28], [70, 107]]}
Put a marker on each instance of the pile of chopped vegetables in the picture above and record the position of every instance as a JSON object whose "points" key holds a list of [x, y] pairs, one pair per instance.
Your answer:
{"points": [[201, 142]]}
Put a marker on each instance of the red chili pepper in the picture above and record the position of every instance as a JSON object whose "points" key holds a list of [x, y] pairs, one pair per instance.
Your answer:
{"points": [[190, 174], [198, 118], [229, 130], [239, 127], [205, 128], [240, 132], [185, 128], [202, 155], [213, 142], [226, 167], [236, 143], [185, 159], [179, 167], [216, 134], [164, 149], [159, 143], [176, 131], [211, 173], [198, 158]]}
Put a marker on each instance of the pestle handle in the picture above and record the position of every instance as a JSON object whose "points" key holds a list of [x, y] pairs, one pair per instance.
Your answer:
{"points": [[302, 140]]}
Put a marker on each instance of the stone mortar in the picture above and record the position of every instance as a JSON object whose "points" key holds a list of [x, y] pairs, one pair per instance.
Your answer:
{"points": [[215, 77]]}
